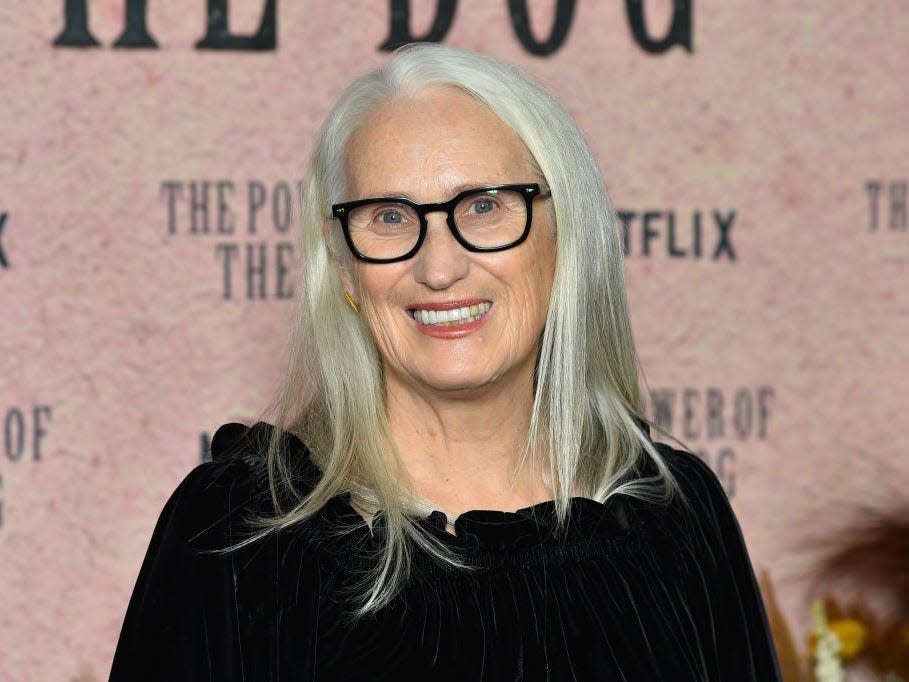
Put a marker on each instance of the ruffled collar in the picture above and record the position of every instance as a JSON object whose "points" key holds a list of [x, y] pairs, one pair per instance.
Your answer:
{"points": [[532, 526]]}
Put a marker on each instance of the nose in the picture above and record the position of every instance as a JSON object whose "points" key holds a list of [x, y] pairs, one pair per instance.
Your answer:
{"points": [[441, 260]]}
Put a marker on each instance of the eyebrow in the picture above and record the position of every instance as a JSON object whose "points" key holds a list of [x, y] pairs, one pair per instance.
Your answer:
{"points": [[453, 191]]}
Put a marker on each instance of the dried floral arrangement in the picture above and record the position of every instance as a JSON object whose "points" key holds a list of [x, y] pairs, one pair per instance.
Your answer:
{"points": [[871, 560]]}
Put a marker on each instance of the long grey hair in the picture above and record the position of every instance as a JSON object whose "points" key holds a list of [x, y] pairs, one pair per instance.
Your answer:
{"points": [[585, 427]]}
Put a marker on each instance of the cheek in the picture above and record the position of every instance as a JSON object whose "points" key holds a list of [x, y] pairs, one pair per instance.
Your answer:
{"points": [[531, 291], [374, 289], [383, 333], [373, 283], [540, 273]]}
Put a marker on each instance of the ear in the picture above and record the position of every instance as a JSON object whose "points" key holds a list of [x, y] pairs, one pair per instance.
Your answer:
{"points": [[343, 262]]}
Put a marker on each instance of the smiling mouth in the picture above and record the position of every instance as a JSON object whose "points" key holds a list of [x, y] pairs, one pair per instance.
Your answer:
{"points": [[448, 318]]}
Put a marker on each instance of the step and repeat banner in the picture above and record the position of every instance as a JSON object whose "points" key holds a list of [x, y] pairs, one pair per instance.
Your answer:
{"points": [[150, 161]]}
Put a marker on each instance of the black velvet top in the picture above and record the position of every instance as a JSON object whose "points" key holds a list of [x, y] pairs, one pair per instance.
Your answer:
{"points": [[634, 591]]}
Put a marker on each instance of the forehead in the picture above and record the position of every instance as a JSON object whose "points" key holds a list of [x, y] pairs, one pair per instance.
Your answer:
{"points": [[428, 145]]}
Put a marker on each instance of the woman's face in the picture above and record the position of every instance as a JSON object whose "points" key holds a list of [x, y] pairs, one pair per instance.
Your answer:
{"points": [[428, 149]]}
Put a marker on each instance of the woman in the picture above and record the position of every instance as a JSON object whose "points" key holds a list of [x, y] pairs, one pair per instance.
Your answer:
{"points": [[459, 485]]}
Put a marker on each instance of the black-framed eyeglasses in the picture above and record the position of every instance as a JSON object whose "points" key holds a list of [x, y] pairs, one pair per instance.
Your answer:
{"points": [[482, 219]]}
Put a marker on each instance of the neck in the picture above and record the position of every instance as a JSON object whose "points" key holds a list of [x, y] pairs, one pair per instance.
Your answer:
{"points": [[460, 451]]}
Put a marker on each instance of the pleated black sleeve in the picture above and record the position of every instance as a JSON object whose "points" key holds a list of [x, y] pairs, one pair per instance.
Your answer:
{"points": [[632, 591]]}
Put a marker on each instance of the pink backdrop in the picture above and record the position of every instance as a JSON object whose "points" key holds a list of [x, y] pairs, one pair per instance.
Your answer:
{"points": [[128, 337]]}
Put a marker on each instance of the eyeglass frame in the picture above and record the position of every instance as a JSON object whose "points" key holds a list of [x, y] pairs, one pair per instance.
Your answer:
{"points": [[529, 191]]}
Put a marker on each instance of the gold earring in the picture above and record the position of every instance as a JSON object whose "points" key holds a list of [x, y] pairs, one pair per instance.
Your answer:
{"points": [[352, 303]]}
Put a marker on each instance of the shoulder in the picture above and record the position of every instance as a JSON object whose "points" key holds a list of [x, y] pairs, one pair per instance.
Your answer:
{"points": [[213, 499], [693, 475], [702, 510], [194, 568], [238, 446]]}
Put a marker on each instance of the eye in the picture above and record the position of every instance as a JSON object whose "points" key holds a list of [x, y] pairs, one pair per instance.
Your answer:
{"points": [[391, 217], [482, 205]]}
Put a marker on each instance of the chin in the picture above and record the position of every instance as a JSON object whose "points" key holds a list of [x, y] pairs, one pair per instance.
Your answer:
{"points": [[456, 379], [453, 383]]}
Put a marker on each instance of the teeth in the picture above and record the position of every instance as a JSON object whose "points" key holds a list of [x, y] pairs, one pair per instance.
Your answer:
{"points": [[448, 317]]}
